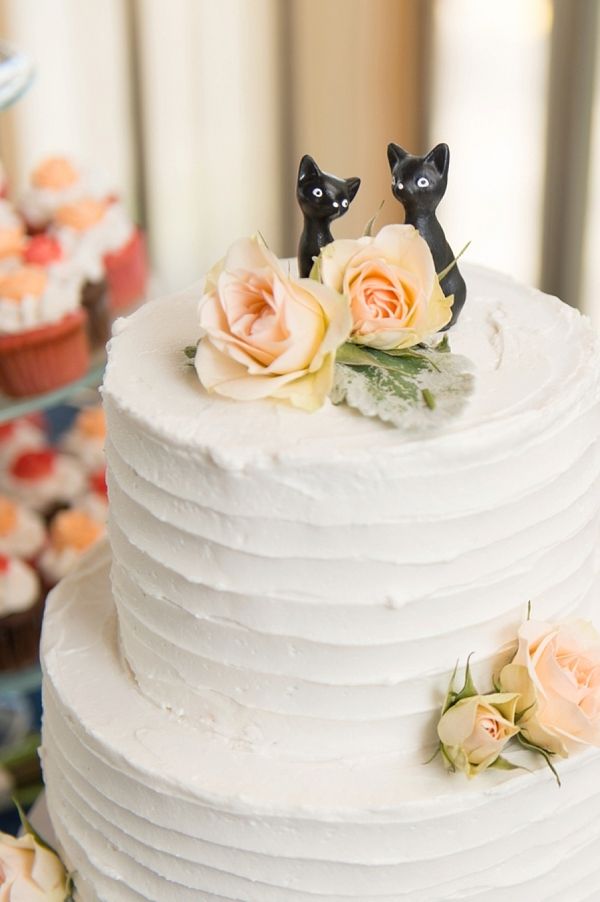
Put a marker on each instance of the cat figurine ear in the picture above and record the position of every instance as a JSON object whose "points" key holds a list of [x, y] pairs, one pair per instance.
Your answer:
{"points": [[322, 198], [419, 183], [395, 154], [440, 157], [308, 168]]}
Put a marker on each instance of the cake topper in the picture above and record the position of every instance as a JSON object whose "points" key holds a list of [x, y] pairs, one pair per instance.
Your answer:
{"points": [[419, 183], [322, 198]]}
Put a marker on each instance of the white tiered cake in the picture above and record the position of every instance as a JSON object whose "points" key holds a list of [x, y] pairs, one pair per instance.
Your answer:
{"points": [[242, 690]]}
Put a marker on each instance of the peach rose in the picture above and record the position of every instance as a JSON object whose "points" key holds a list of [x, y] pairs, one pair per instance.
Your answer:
{"points": [[55, 173], [27, 281], [391, 284], [81, 215], [475, 730], [265, 334], [30, 871], [556, 670]]}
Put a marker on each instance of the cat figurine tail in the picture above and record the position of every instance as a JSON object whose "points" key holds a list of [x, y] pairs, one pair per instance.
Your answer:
{"points": [[322, 198], [419, 183]]}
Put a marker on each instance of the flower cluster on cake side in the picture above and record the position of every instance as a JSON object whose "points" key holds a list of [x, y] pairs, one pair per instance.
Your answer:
{"points": [[546, 698]]}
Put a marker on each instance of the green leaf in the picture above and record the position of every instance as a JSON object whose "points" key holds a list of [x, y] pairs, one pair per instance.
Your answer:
{"points": [[443, 346], [398, 387], [469, 688], [442, 275], [190, 352], [545, 753], [368, 230], [28, 828], [504, 764]]}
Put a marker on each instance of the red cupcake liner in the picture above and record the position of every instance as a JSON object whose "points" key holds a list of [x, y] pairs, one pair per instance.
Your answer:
{"points": [[127, 272], [43, 359]]}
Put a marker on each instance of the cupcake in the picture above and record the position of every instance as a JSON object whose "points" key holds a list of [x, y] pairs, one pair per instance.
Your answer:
{"points": [[104, 241], [22, 434], [81, 229], [56, 181], [85, 439], [43, 340], [43, 480], [21, 608], [95, 500], [71, 533], [22, 531]]}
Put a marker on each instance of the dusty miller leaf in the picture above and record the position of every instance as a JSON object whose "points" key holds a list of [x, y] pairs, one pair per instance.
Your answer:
{"points": [[415, 389]]}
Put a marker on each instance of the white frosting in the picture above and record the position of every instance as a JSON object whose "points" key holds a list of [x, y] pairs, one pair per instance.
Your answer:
{"points": [[62, 485], [39, 205], [148, 807], [19, 588], [27, 536], [87, 249], [293, 591], [9, 218], [305, 582], [61, 296]]}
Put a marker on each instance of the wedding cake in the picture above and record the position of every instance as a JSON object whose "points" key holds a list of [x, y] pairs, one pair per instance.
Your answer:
{"points": [[245, 687]]}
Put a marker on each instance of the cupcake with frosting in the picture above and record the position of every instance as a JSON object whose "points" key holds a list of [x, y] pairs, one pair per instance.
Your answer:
{"points": [[57, 181], [101, 237], [95, 500], [21, 607], [71, 533], [86, 229], [23, 434], [85, 439], [43, 340], [22, 531], [43, 480]]}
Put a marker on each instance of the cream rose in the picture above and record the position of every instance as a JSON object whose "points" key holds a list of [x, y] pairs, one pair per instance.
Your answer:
{"points": [[475, 730], [556, 670], [266, 334], [391, 284], [30, 871]]}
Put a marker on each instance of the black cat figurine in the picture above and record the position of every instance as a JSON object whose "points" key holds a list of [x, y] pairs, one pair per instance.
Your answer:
{"points": [[322, 198], [419, 183]]}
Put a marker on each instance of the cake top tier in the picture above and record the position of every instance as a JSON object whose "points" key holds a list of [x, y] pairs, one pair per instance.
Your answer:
{"points": [[535, 362]]}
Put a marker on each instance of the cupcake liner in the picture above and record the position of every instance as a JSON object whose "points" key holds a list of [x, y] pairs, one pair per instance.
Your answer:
{"points": [[127, 272], [94, 300], [20, 637], [43, 359]]}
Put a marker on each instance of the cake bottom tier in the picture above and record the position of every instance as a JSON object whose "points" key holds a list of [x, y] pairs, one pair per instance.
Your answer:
{"points": [[147, 807]]}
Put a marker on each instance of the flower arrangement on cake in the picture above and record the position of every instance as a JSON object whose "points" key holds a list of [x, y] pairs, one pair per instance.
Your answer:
{"points": [[546, 698], [359, 327]]}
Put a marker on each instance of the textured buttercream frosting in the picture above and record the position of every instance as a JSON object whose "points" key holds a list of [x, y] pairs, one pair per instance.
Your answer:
{"points": [[291, 593]]}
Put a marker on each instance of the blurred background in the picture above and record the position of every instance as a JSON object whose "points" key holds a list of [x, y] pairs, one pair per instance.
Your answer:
{"points": [[200, 110]]}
